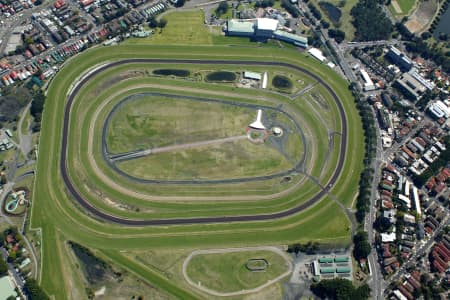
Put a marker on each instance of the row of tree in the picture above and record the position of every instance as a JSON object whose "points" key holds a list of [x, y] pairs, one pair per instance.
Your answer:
{"points": [[264, 3], [315, 11], [337, 34], [340, 289], [365, 182], [34, 291], [290, 8], [36, 109]]}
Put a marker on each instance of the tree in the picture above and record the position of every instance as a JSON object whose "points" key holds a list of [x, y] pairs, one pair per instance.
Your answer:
{"points": [[153, 23], [362, 247], [29, 40], [382, 224], [34, 291], [12, 256], [325, 24], [162, 23], [3, 267], [180, 3], [37, 106], [222, 8], [337, 34], [3, 179]]}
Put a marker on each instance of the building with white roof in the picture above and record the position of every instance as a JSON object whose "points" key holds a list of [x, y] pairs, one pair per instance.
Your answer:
{"points": [[316, 53], [252, 75], [266, 26], [440, 110], [409, 218], [388, 237], [297, 40], [405, 200], [417, 201], [368, 83]]}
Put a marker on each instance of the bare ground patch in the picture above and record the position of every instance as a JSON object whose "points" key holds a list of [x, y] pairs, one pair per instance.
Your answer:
{"points": [[422, 16]]}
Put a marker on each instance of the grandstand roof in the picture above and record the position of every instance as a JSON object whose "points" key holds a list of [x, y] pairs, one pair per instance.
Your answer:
{"points": [[266, 24], [238, 26]]}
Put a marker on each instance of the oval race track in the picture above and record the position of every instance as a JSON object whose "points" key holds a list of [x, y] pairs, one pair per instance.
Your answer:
{"points": [[180, 221]]}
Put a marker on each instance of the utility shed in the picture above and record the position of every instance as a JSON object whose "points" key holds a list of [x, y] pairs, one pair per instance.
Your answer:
{"points": [[326, 270], [341, 259], [343, 270], [252, 75]]}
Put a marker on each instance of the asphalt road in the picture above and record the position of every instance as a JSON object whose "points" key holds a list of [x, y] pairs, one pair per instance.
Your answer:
{"points": [[199, 220]]}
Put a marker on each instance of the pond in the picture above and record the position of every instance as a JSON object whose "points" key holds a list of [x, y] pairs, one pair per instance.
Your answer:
{"points": [[333, 13], [172, 72], [281, 82], [223, 76], [444, 24]]}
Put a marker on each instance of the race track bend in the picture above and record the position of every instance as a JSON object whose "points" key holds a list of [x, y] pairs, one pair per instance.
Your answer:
{"points": [[231, 250], [137, 154], [197, 220]]}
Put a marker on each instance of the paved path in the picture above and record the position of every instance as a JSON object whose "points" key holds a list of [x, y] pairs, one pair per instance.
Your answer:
{"points": [[133, 155], [231, 250], [25, 140]]}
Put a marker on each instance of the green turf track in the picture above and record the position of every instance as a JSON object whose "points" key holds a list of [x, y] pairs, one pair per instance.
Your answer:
{"points": [[54, 212]]}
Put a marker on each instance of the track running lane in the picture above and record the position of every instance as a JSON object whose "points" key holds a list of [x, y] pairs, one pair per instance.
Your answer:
{"points": [[198, 220]]}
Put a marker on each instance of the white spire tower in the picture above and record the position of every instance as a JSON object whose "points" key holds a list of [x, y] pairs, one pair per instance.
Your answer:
{"points": [[258, 124]]}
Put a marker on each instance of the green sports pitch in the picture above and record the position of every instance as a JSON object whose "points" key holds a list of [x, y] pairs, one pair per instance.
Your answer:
{"points": [[142, 202]]}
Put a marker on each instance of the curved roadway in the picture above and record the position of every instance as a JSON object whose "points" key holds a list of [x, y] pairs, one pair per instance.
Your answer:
{"points": [[198, 220]]}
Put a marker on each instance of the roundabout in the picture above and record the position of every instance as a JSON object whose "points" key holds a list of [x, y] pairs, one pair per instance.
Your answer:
{"points": [[132, 160]]}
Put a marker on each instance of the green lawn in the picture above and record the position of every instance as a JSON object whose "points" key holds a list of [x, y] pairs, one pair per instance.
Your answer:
{"points": [[221, 161], [183, 28], [405, 6], [153, 121], [227, 272], [60, 219]]}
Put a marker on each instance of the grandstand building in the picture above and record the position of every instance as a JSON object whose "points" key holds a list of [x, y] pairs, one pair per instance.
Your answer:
{"points": [[263, 29]]}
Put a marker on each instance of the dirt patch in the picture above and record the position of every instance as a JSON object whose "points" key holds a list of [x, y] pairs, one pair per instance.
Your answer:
{"points": [[422, 16]]}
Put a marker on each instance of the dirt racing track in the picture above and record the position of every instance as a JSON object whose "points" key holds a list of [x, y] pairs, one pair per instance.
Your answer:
{"points": [[93, 210]]}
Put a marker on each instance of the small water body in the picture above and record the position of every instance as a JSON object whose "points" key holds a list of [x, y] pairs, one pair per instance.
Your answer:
{"points": [[444, 23], [333, 13]]}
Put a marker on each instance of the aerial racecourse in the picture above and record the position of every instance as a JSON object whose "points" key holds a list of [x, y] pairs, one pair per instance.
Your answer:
{"points": [[160, 147]]}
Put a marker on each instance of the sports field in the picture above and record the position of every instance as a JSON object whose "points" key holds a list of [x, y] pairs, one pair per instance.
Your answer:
{"points": [[235, 271], [81, 194]]}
